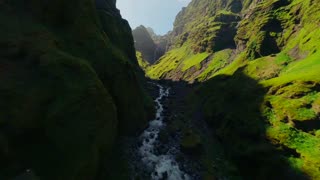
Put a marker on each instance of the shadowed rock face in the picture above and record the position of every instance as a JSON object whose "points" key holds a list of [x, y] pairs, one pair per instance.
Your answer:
{"points": [[150, 45], [144, 43], [116, 28], [70, 85]]}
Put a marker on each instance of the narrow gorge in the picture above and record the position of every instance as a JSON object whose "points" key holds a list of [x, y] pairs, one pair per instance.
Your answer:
{"points": [[232, 91]]}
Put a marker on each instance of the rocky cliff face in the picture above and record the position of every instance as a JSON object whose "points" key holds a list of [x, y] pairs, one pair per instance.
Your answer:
{"points": [[201, 30], [161, 42], [150, 45], [70, 85], [257, 61], [144, 44], [208, 30]]}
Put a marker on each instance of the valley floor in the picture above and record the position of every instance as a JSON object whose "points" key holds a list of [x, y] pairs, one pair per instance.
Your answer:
{"points": [[199, 149], [183, 148]]}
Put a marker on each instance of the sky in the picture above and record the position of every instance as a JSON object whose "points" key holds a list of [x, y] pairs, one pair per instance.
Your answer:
{"points": [[157, 14]]}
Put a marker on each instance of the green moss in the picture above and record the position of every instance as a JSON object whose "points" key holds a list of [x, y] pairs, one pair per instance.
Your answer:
{"points": [[283, 59], [142, 63], [169, 62], [66, 93], [305, 70], [263, 68], [237, 63], [277, 54], [232, 106], [290, 104], [303, 143], [194, 61], [316, 105], [217, 62], [295, 162]]}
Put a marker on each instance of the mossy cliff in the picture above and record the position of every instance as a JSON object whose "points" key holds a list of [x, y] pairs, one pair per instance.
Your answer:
{"points": [[257, 63], [70, 84], [216, 33]]}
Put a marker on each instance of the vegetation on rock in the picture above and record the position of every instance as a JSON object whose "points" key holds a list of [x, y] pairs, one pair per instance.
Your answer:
{"points": [[257, 64], [70, 85]]}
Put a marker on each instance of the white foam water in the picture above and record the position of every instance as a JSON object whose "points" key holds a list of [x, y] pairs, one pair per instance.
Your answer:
{"points": [[163, 166]]}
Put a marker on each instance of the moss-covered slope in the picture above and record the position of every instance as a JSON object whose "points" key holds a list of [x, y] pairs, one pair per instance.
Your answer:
{"points": [[141, 61], [237, 31], [258, 64], [69, 85]]}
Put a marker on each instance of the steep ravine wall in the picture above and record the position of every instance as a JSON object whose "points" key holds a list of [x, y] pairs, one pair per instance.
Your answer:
{"points": [[149, 46], [220, 29], [70, 85], [256, 64]]}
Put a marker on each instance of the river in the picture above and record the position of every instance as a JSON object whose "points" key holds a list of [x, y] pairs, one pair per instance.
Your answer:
{"points": [[158, 164]]}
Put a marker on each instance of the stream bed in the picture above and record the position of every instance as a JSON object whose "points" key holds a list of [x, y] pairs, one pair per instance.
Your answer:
{"points": [[153, 159]]}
